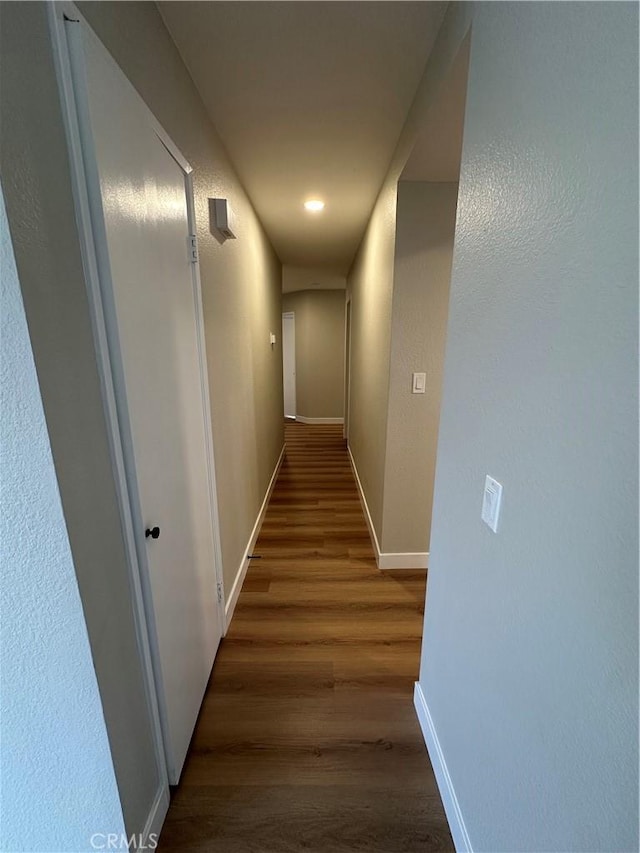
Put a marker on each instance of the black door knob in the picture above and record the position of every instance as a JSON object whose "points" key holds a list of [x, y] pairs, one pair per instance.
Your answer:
{"points": [[153, 532]]}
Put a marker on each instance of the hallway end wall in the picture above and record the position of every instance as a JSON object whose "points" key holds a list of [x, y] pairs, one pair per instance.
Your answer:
{"points": [[320, 336], [241, 279]]}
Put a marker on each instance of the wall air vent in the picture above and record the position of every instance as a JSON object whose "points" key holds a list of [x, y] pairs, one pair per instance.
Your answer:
{"points": [[221, 219]]}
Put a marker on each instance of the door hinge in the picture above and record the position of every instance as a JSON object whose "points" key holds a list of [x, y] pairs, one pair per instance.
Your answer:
{"points": [[193, 249], [219, 591]]}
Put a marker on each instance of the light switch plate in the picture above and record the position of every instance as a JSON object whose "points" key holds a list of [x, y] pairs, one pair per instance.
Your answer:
{"points": [[419, 383], [491, 501], [272, 338]]}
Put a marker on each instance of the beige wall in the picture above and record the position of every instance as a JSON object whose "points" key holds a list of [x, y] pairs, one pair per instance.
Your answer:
{"points": [[533, 630], [319, 318], [370, 283], [241, 283], [396, 468], [530, 652], [425, 224], [241, 279]]}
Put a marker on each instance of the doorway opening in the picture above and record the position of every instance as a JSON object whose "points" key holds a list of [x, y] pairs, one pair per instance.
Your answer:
{"points": [[289, 364]]}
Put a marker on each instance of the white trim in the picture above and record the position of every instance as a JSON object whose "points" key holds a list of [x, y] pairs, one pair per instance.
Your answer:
{"points": [[365, 507], [303, 420], [389, 560], [232, 600], [155, 820], [445, 785], [61, 53]]}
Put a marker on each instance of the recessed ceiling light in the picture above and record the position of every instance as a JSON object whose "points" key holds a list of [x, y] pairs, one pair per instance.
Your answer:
{"points": [[314, 204]]}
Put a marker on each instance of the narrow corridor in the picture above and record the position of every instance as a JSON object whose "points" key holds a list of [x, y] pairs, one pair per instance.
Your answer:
{"points": [[307, 738]]}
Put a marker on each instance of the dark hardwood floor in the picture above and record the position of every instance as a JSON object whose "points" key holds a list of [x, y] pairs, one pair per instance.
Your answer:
{"points": [[307, 739]]}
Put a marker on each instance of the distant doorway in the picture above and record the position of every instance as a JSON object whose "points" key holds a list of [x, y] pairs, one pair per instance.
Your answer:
{"points": [[289, 363]]}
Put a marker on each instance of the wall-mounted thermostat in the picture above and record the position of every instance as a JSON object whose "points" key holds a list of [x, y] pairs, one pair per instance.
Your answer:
{"points": [[221, 219]]}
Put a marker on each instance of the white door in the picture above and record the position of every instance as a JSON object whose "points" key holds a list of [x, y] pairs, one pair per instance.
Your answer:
{"points": [[289, 363], [140, 201]]}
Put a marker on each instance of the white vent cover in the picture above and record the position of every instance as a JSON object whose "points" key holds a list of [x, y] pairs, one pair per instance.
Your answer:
{"points": [[221, 220]]}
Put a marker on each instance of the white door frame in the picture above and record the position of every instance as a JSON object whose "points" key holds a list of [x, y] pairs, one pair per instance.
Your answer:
{"points": [[291, 315], [65, 23]]}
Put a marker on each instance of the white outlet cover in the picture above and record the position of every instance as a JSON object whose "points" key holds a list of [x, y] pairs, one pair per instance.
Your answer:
{"points": [[491, 501]]}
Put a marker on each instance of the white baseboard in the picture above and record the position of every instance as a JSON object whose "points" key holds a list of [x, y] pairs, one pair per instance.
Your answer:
{"points": [[155, 820], [365, 507], [386, 560], [232, 599], [445, 785], [319, 420]]}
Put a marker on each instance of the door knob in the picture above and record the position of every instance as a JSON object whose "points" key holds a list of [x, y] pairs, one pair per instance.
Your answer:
{"points": [[153, 532]]}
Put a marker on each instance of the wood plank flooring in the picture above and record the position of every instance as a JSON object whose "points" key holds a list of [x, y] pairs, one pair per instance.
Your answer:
{"points": [[307, 739]]}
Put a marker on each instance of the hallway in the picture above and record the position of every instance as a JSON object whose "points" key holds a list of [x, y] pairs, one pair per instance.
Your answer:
{"points": [[307, 738]]}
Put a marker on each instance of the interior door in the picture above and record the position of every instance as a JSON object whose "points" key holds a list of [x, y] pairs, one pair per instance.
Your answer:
{"points": [[151, 316], [289, 363]]}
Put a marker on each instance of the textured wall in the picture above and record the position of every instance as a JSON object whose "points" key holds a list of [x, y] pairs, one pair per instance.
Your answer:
{"points": [[425, 223], [320, 317], [37, 189], [530, 655], [241, 279], [58, 785]]}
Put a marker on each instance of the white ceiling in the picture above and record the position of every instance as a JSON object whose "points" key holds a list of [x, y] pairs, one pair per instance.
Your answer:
{"points": [[309, 99]]}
